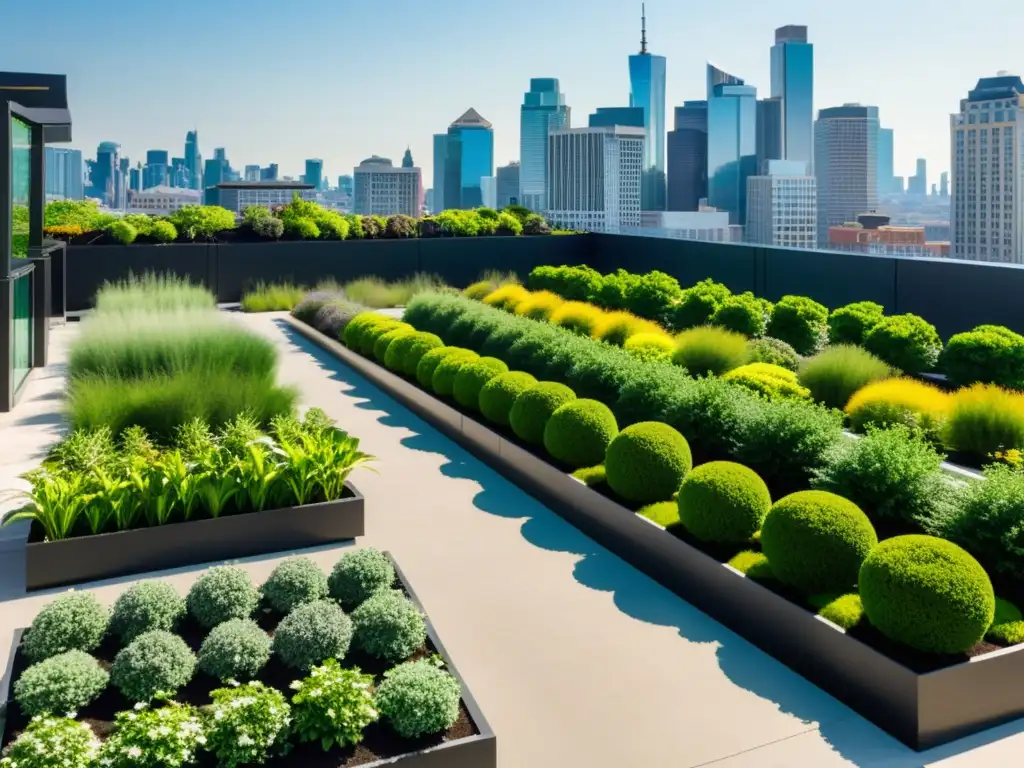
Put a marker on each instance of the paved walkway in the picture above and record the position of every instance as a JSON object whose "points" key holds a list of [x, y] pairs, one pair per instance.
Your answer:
{"points": [[576, 658]]}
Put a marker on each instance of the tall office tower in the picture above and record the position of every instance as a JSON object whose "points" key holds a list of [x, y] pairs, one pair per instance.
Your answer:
{"points": [[407, 161], [782, 205], [252, 173], [688, 157], [647, 91], [944, 184], [179, 173], [135, 176], [157, 171], [314, 172], [489, 190], [104, 173], [507, 185], [440, 151], [543, 111], [469, 156], [64, 173], [987, 138], [770, 130], [845, 164], [269, 173], [918, 184], [732, 141], [595, 178], [383, 190], [885, 162], [608, 116], [193, 160], [793, 82], [122, 184], [346, 185]]}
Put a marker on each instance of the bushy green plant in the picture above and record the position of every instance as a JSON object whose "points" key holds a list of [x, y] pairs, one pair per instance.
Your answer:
{"points": [[419, 698], [235, 650], [270, 228], [572, 283], [723, 501], [312, 633], [359, 575], [772, 382], [709, 350], [743, 313], [222, 593], [773, 352], [388, 626], [146, 606], [536, 225], [472, 377], [154, 663], [800, 322], [650, 347], [647, 462], [248, 724], [816, 541], [123, 232], [615, 288], [835, 374], [850, 324], [167, 737], [75, 621], [698, 303], [380, 346], [201, 222], [534, 407], [152, 292], [905, 401], [618, 327], [907, 342], [333, 706], [447, 370], [845, 611], [591, 476], [927, 593], [653, 296], [753, 565], [983, 420], [62, 683], [295, 581], [539, 305], [414, 348], [663, 513], [579, 317], [578, 433], [432, 359], [500, 393], [990, 354], [53, 741], [163, 231]]}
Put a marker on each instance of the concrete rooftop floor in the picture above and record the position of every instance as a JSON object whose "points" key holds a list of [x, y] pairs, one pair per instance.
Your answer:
{"points": [[575, 658]]}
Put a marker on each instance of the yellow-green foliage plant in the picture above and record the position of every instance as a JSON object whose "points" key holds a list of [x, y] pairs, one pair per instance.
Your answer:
{"points": [[710, 350], [578, 317], [899, 401], [539, 305], [984, 420], [618, 327], [650, 346], [773, 382], [507, 297]]}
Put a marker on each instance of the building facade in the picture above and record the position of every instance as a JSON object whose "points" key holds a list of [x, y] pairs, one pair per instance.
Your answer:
{"points": [[705, 225], [269, 173], [381, 189], [544, 110], [314, 173], [606, 116], [157, 172], [732, 141], [161, 200], [770, 134], [440, 151], [251, 173], [792, 81], [782, 206], [65, 174], [595, 178], [845, 164], [469, 156], [885, 162], [918, 183], [647, 92], [238, 195], [193, 160], [688, 157], [507, 184]]}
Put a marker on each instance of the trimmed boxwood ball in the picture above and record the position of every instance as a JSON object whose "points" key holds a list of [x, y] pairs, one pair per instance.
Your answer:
{"points": [[295, 581], [313, 633], [647, 462], [816, 541], [74, 621], [534, 407], [723, 501], [351, 337], [500, 393], [927, 593], [222, 593], [472, 377], [60, 684], [146, 606], [431, 359], [388, 626], [415, 348], [443, 380], [418, 699], [154, 662], [360, 574], [372, 333], [235, 650], [380, 346], [579, 432]]}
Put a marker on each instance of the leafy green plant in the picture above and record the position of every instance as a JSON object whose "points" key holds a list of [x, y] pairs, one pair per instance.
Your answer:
{"points": [[202, 222], [153, 665], [909, 402], [166, 737], [359, 575], [471, 379], [907, 342], [984, 419], [773, 352], [235, 650], [146, 606], [800, 322], [663, 513], [295, 581], [591, 476], [850, 324], [333, 706], [75, 621], [62, 683], [845, 611], [709, 350], [163, 231], [249, 723], [723, 501], [743, 313], [699, 303], [123, 232], [990, 354], [50, 741], [653, 296], [578, 433], [498, 396], [534, 407], [772, 382], [388, 626], [647, 462], [222, 593], [835, 374], [313, 633], [418, 698]]}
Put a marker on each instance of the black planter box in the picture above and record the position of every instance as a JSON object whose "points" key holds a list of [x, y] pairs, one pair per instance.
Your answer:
{"points": [[921, 710], [88, 558]]}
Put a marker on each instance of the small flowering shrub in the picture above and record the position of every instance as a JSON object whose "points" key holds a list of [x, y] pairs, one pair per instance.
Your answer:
{"points": [[313, 633], [388, 626], [220, 594], [333, 705], [61, 684], [53, 741], [167, 737], [146, 606], [360, 574], [419, 698], [153, 663], [236, 649], [296, 581], [248, 723], [74, 621]]}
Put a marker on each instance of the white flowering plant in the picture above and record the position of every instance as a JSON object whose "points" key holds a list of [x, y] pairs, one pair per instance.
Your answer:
{"points": [[247, 724], [333, 705], [53, 741], [165, 737]]}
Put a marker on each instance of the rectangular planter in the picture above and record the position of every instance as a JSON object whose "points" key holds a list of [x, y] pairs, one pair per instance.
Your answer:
{"points": [[921, 710], [88, 558]]}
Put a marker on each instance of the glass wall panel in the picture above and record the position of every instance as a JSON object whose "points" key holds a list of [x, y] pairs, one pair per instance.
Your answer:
{"points": [[21, 172], [21, 329]]}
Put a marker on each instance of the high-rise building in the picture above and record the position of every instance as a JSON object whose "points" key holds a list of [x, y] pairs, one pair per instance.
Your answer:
{"points": [[193, 160], [269, 173], [314, 173], [346, 185], [507, 185], [885, 162], [64, 173], [944, 184], [135, 176], [489, 190], [407, 159], [158, 169], [845, 164], [987, 138], [544, 110], [179, 173], [383, 190], [688, 157], [647, 91], [918, 183], [770, 131], [607, 116], [732, 141], [782, 205], [252, 173], [595, 177], [104, 172], [469, 156], [440, 151], [793, 82], [121, 184]]}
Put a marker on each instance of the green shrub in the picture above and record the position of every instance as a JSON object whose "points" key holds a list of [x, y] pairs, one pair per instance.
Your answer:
{"points": [[373, 333], [472, 377], [753, 565], [146, 606], [835, 374], [579, 317], [850, 324], [418, 698], [905, 401], [773, 352], [123, 232], [539, 305], [165, 737], [202, 222], [927, 593], [480, 289], [723, 501], [990, 354], [380, 346], [75, 621], [153, 663], [615, 287], [222, 593], [352, 338], [272, 297], [578, 433], [443, 380], [743, 313], [432, 358], [845, 611], [617, 327], [907, 342], [163, 232], [650, 347], [572, 283], [359, 575], [647, 462], [500, 393], [333, 705], [414, 347], [772, 382], [984, 419], [653, 296], [709, 350], [235, 650], [62, 683], [50, 741], [800, 322], [388, 626], [699, 303], [664, 513], [312, 633], [1006, 633], [295, 581], [816, 541], [592, 476], [248, 724]]}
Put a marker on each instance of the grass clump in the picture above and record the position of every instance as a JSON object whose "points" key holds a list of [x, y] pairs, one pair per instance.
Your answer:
{"points": [[710, 350], [903, 401], [985, 419], [845, 611], [272, 297], [591, 476], [752, 564], [152, 292], [832, 376], [664, 513], [377, 293]]}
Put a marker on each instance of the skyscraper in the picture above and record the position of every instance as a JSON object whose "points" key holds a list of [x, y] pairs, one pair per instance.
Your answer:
{"points": [[944, 184], [469, 156], [543, 111], [346, 185], [64, 173], [918, 183], [688, 157], [845, 164], [252, 173], [314, 172], [104, 173], [440, 151], [269, 173], [782, 205], [507, 190], [770, 131], [193, 160], [157, 170], [732, 141], [407, 159], [647, 90], [179, 173], [793, 82], [606, 116], [885, 162]]}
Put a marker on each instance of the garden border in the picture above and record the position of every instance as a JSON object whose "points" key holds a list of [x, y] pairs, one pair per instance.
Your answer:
{"points": [[141, 550], [921, 710]]}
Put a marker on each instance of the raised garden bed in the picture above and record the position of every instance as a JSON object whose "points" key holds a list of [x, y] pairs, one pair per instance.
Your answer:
{"points": [[922, 702]]}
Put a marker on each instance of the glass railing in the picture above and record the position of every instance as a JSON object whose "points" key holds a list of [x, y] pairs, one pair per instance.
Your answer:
{"points": [[21, 326]]}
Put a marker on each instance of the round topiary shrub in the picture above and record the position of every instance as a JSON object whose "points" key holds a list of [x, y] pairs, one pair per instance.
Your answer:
{"points": [[534, 407], [62, 683], [154, 662], [146, 606], [235, 650], [395, 352], [816, 541], [773, 352], [722, 501], [75, 621], [294, 582], [647, 462], [650, 346], [371, 335], [850, 324], [443, 380], [990, 354], [472, 377], [800, 322], [360, 574], [380, 346], [698, 303], [432, 359], [744, 314], [418, 698], [709, 350], [352, 337], [415, 348], [222, 593], [579, 432], [907, 342], [772, 382], [500, 393], [388, 626], [312, 633], [927, 593]]}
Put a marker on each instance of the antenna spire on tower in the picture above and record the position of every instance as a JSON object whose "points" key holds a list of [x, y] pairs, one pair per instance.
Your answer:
{"points": [[643, 28]]}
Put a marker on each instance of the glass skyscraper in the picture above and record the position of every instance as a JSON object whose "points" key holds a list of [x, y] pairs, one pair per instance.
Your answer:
{"points": [[793, 82], [607, 116], [688, 157], [193, 160], [845, 164], [64, 173], [770, 138], [647, 91], [440, 150], [469, 157], [543, 111], [885, 161], [314, 172], [157, 170], [732, 141]]}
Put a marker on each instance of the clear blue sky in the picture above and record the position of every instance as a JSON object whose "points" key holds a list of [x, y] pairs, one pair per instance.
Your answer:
{"points": [[280, 81]]}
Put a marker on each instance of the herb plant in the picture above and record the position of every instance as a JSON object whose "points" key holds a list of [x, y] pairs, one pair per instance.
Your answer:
{"points": [[165, 737], [50, 741], [248, 723], [61, 684], [333, 705]]}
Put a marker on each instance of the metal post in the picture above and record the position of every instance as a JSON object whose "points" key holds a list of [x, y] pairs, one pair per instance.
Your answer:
{"points": [[6, 190]]}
